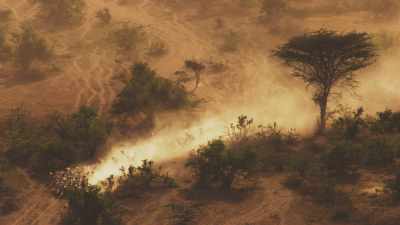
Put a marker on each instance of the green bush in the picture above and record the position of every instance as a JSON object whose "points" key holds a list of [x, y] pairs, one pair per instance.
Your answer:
{"points": [[147, 93], [87, 205], [350, 124], [386, 122], [20, 138], [340, 159], [300, 163], [214, 165], [378, 152], [137, 180], [52, 145]]}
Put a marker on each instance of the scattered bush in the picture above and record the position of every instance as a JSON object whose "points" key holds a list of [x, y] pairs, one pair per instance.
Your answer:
{"points": [[87, 204], [157, 49], [240, 131], [128, 37], [147, 93], [62, 12], [386, 122], [300, 163], [20, 137], [104, 16], [349, 125], [30, 48], [378, 152], [137, 180], [214, 165], [274, 136], [340, 159], [56, 144], [8, 199]]}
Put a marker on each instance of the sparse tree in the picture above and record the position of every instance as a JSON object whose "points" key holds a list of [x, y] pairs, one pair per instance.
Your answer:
{"points": [[326, 60], [197, 68], [29, 48]]}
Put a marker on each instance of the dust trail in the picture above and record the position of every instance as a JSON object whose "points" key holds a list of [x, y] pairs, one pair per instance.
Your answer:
{"points": [[267, 101], [165, 145]]}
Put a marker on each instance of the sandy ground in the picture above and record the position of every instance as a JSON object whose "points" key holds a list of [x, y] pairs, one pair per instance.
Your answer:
{"points": [[88, 65]]}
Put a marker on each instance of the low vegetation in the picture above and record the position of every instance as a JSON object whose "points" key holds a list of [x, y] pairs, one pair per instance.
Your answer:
{"points": [[8, 199], [146, 92], [104, 16], [127, 38], [87, 204], [62, 12], [30, 47], [58, 142], [217, 166], [137, 180]]}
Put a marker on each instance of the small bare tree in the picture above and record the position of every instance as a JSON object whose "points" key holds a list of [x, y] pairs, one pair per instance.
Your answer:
{"points": [[197, 69], [325, 60]]}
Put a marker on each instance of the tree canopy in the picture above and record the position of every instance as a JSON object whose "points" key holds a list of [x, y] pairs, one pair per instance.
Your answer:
{"points": [[326, 59]]}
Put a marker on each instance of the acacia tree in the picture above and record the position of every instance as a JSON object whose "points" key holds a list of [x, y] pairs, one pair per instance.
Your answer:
{"points": [[326, 60]]}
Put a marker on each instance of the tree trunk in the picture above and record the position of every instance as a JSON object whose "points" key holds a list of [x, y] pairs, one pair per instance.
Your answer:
{"points": [[323, 108], [197, 75]]}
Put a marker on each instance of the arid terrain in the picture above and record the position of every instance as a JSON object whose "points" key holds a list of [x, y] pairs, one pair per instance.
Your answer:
{"points": [[229, 37]]}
